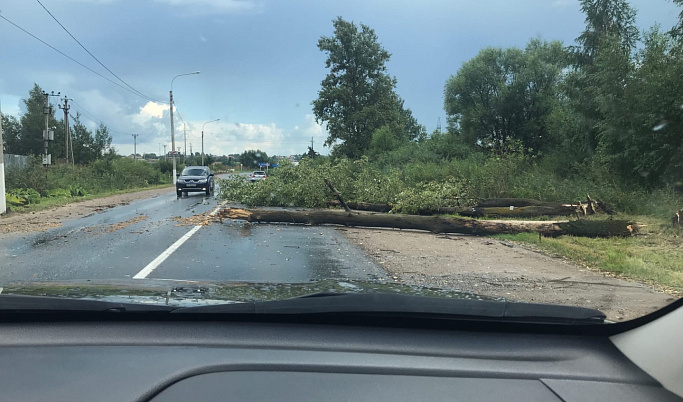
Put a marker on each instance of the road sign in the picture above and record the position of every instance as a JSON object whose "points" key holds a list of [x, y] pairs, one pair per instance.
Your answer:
{"points": [[264, 164]]}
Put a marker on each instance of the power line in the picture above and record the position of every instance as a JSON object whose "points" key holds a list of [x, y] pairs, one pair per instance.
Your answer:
{"points": [[92, 116], [71, 58], [93, 56]]}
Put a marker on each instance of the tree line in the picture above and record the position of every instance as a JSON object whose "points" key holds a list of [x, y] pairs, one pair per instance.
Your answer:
{"points": [[611, 102], [24, 135]]}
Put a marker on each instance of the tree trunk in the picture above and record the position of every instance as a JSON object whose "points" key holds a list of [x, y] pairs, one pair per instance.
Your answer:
{"points": [[361, 206], [433, 224], [506, 202], [519, 212]]}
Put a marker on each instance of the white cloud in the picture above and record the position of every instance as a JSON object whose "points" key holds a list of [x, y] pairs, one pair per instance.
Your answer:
{"points": [[153, 109]]}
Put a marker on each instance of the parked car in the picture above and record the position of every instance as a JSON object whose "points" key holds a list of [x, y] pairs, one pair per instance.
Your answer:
{"points": [[256, 176], [194, 179]]}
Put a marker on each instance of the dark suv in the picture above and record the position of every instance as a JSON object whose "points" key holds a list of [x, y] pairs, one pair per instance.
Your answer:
{"points": [[194, 178]]}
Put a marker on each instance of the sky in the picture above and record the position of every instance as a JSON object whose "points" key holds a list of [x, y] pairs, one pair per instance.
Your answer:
{"points": [[259, 64]]}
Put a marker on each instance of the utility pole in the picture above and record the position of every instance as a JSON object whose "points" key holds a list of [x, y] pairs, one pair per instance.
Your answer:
{"points": [[170, 95], [3, 207], [191, 150], [135, 146], [185, 139], [172, 136], [203, 137], [311, 143], [47, 134], [165, 156], [67, 129]]}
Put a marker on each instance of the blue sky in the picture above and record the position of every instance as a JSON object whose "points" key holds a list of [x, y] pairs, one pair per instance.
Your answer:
{"points": [[260, 67]]}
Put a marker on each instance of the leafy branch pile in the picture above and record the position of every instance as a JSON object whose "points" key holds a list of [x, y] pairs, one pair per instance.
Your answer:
{"points": [[357, 181]]}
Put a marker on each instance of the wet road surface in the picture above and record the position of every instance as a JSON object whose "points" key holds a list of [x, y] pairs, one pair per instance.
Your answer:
{"points": [[129, 241]]}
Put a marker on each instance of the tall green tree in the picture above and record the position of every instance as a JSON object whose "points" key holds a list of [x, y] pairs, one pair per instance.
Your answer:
{"points": [[357, 96], [33, 125], [83, 142], [102, 141], [11, 134], [605, 18], [642, 126], [610, 24], [504, 97], [251, 158]]}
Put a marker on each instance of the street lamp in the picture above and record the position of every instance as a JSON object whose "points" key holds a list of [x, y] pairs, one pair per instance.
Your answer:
{"points": [[172, 132], [203, 138]]}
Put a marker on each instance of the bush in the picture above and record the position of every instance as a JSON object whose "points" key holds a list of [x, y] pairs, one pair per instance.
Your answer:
{"points": [[29, 183], [58, 193], [24, 196]]}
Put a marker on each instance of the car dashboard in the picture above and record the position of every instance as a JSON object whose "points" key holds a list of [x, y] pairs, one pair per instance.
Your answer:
{"points": [[256, 361]]}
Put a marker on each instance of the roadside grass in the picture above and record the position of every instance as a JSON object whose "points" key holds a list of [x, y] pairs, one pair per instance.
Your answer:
{"points": [[655, 256], [47, 203]]}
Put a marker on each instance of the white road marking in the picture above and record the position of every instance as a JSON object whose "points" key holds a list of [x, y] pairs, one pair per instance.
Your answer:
{"points": [[167, 253]]}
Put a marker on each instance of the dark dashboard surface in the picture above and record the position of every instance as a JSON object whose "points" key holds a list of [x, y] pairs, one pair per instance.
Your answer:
{"points": [[174, 361]]}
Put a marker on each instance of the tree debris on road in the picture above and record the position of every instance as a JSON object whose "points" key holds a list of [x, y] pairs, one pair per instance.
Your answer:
{"points": [[435, 224]]}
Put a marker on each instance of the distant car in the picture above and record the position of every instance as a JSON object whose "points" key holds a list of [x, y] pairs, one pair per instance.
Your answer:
{"points": [[194, 179], [256, 176]]}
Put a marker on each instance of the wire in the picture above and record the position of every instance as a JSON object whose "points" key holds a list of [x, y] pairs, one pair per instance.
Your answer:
{"points": [[68, 57], [83, 111], [93, 56]]}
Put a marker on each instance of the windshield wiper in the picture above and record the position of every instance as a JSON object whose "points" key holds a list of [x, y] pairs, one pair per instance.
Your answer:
{"points": [[22, 303], [408, 306]]}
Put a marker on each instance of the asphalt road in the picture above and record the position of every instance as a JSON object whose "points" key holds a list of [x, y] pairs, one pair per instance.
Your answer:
{"points": [[142, 240]]}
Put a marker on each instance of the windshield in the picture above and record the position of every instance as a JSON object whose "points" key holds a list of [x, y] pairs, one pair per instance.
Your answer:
{"points": [[525, 152], [193, 172]]}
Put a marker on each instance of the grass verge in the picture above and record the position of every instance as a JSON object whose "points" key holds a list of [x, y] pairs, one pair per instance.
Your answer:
{"points": [[47, 203], [654, 257]]}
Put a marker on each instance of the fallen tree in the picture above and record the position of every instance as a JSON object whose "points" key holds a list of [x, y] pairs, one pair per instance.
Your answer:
{"points": [[505, 211], [493, 208], [435, 224]]}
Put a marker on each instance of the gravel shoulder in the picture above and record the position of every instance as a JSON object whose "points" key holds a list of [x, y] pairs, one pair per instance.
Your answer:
{"points": [[26, 222], [495, 268]]}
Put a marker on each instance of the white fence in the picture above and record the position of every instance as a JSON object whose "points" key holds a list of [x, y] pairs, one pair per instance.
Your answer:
{"points": [[15, 160]]}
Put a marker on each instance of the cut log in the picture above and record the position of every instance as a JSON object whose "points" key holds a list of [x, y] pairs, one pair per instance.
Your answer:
{"points": [[435, 224]]}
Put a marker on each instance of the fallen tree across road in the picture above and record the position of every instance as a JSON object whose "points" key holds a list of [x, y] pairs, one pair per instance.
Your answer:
{"points": [[435, 224], [553, 209]]}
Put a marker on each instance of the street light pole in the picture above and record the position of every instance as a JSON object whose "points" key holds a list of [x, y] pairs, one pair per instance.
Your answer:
{"points": [[203, 138], [170, 95]]}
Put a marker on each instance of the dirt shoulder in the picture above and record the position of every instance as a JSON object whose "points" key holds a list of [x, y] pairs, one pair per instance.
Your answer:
{"points": [[500, 269], [25, 222]]}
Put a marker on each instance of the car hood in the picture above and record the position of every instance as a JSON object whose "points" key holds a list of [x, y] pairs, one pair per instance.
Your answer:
{"points": [[197, 293], [192, 177]]}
